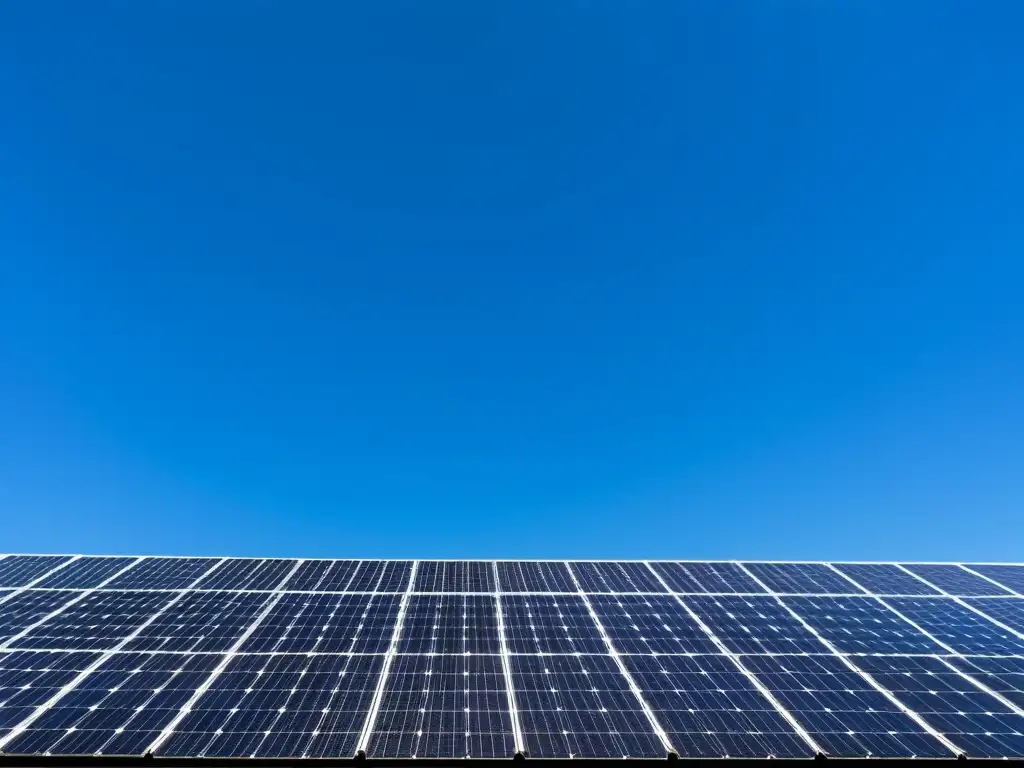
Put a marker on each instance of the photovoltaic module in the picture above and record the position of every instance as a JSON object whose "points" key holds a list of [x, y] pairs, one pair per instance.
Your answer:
{"points": [[233, 657]]}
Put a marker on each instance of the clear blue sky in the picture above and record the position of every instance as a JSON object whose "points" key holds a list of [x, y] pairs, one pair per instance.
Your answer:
{"points": [[680, 278]]}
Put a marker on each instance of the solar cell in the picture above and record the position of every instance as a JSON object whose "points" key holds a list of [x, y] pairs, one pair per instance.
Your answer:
{"points": [[687, 577], [1008, 611], [801, 578], [708, 708], [119, 708], [580, 706], [650, 624], [860, 625], [96, 622], [30, 678], [444, 705], [1009, 576], [201, 622], [975, 721], [282, 705], [22, 610], [454, 576], [534, 577], [450, 624], [885, 579], [615, 577], [961, 629], [325, 575], [302, 623], [840, 710], [248, 574], [753, 624], [1005, 676], [956, 580], [550, 624], [382, 576], [164, 573], [87, 572], [21, 570]]}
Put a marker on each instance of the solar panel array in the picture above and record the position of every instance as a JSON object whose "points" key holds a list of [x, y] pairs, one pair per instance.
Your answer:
{"points": [[204, 657]]}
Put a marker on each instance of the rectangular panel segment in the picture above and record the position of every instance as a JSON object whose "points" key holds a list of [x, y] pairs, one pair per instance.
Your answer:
{"points": [[201, 621], [753, 624], [246, 573], [597, 577], [710, 709], [801, 578], [957, 581], [527, 576], [1011, 576], [885, 579], [688, 577], [550, 624], [19, 570], [31, 678], [861, 625], [963, 630], [443, 706], [85, 573], [450, 624], [163, 573], [650, 624], [454, 576], [580, 706]]}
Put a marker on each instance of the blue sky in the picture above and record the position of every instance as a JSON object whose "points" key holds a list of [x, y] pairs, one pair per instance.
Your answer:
{"points": [[513, 279]]}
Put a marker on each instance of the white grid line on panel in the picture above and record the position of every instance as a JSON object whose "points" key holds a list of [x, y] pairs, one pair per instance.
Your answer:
{"points": [[506, 665], [103, 657], [613, 652], [25, 587], [963, 603], [389, 658], [953, 652], [857, 670], [735, 659], [989, 579], [230, 654], [82, 594]]}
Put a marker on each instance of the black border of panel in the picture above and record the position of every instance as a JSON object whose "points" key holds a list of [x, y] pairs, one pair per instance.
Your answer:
{"points": [[99, 761]]}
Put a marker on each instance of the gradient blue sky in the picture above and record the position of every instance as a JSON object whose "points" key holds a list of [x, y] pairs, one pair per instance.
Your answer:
{"points": [[498, 279]]}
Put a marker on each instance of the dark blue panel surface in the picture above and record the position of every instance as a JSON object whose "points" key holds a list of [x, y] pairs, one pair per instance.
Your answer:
{"points": [[801, 578], [164, 573], [861, 625], [709, 708], [1004, 676], [280, 706], [972, 719], [98, 622], [1010, 611], [248, 574], [706, 577], [325, 575], [615, 577], [381, 576], [963, 630], [885, 579], [85, 573], [549, 624], [1011, 576], [201, 621], [302, 623], [29, 679], [650, 624], [957, 581], [754, 624], [120, 708], [580, 706], [842, 712], [454, 576], [450, 624], [19, 570], [444, 706], [527, 576], [20, 611]]}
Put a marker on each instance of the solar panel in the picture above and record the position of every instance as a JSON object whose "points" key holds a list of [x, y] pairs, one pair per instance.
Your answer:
{"points": [[1009, 576], [21, 570], [254, 657]]}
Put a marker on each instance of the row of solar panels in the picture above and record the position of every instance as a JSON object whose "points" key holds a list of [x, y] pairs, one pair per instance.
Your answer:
{"points": [[65, 572], [300, 674], [218, 622]]}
